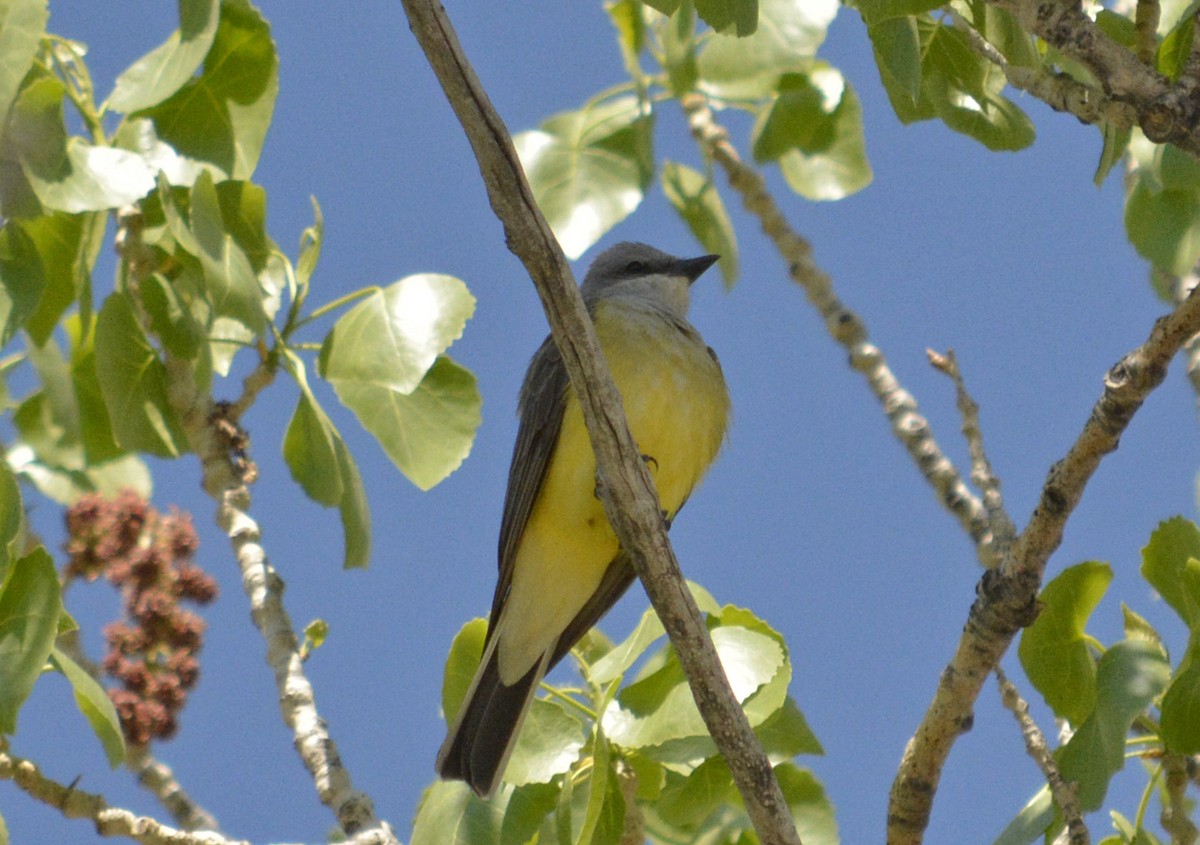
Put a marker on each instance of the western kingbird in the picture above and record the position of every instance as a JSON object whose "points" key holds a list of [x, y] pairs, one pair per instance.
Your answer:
{"points": [[561, 566]]}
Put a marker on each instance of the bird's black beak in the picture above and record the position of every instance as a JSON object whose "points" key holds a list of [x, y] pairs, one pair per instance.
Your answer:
{"points": [[693, 268]]}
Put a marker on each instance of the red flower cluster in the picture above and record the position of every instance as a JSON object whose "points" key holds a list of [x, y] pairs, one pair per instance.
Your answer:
{"points": [[152, 651]]}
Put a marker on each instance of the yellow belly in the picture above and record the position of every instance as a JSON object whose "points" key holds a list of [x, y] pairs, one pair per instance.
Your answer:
{"points": [[678, 409]]}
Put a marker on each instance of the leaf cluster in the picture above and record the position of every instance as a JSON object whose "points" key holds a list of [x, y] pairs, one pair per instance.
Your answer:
{"points": [[167, 159], [1121, 700], [626, 755], [590, 168]]}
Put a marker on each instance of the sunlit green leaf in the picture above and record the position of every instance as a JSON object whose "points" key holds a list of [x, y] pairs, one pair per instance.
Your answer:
{"points": [[12, 517], [22, 23], [678, 37], [222, 115], [232, 285], [461, 664], [789, 33], [164, 70], [1164, 226], [1174, 49], [95, 705], [813, 128], [786, 733], [689, 801], [1054, 650], [698, 202], [896, 42], [70, 174], [22, 276], [877, 11], [310, 453], [1173, 552], [95, 428], [310, 247], [30, 603], [382, 359], [451, 814], [589, 168], [1116, 142], [1130, 675], [133, 383], [548, 745]]}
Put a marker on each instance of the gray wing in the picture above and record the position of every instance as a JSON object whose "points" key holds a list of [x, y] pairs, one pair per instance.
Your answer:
{"points": [[541, 406]]}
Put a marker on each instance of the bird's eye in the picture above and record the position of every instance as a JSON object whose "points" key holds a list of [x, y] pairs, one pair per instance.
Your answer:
{"points": [[635, 267]]}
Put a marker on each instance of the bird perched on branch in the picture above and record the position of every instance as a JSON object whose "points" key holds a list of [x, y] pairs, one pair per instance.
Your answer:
{"points": [[561, 565]]}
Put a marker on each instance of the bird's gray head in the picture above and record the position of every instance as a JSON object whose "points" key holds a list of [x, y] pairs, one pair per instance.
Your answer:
{"points": [[637, 271]]}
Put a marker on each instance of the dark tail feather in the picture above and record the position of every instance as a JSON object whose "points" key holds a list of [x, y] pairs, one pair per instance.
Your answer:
{"points": [[477, 747]]}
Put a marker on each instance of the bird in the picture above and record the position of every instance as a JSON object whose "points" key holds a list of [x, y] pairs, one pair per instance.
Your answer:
{"points": [[561, 564]]}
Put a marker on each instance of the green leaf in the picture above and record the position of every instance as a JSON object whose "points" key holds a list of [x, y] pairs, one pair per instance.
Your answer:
{"points": [[622, 656], [731, 17], [1054, 650], [461, 665], [689, 801], [60, 242], [133, 383], [549, 744], [1175, 47], [786, 733], [231, 283], [95, 428], [315, 634], [4, 840], [877, 11], [525, 811], [310, 247], [813, 127], [322, 465], [896, 43], [1173, 552], [666, 7], [30, 603], [956, 85], [786, 41], [658, 708], [354, 510], [69, 174], [1137, 627], [378, 359], [222, 115], [451, 814], [392, 337], [95, 705], [697, 201], [604, 816], [811, 808], [23, 278], [589, 169], [22, 24], [1180, 708], [1130, 675], [1116, 142], [679, 50], [12, 517], [1164, 226], [165, 69], [1034, 819]]}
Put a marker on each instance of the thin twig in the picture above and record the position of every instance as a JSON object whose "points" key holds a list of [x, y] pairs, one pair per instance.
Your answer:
{"points": [[628, 494], [847, 328], [110, 821], [220, 447], [1066, 793], [981, 468], [1175, 819], [1006, 599]]}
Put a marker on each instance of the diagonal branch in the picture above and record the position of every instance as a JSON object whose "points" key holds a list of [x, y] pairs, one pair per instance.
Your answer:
{"points": [[1006, 598], [848, 329], [627, 490]]}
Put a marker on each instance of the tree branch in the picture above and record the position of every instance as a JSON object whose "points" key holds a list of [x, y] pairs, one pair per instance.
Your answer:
{"points": [[1066, 793], [1165, 112], [1006, 598], [110, 821], [220, 446], [847, 328], [628, 494]]}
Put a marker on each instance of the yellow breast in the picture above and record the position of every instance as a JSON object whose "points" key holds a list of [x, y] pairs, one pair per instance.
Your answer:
{"points": [[678, 409]]}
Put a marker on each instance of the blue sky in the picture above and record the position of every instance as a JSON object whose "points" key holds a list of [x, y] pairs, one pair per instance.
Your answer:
{"points": [[813, 516]]}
